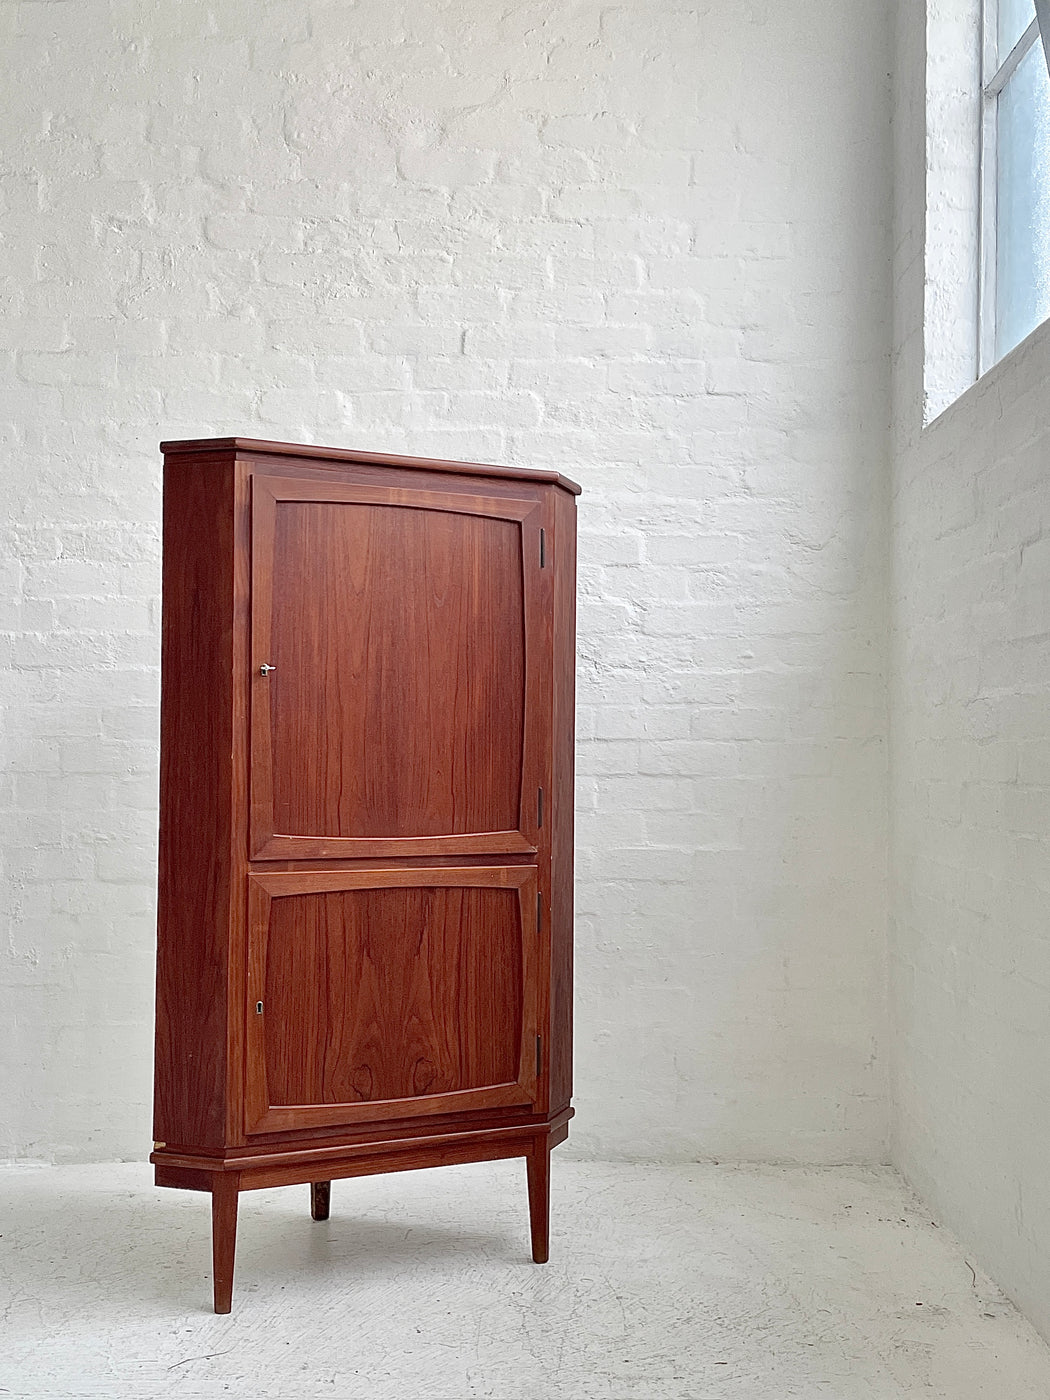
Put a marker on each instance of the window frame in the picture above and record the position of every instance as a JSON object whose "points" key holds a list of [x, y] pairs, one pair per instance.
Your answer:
{"points": [[994, 78]]}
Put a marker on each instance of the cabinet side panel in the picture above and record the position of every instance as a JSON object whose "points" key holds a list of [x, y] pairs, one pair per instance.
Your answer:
{"points": [[195, 802], [563, 804]]}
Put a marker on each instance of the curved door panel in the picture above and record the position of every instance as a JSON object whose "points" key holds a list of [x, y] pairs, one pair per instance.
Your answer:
{"points": [[390, 993], [395, 657]]}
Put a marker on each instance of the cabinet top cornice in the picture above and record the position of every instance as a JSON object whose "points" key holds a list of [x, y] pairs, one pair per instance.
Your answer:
{"points": [[199, 446]]}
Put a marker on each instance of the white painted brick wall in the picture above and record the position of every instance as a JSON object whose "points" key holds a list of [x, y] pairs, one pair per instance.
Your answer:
{"points": [[970, 945], [647, 243]]}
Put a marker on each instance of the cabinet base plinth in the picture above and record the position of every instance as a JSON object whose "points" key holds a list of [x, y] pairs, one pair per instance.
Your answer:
{"points": [[246, 1170]]}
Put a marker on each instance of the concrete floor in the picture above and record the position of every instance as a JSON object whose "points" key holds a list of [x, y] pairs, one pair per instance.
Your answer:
{"points": [[666, 1283]]}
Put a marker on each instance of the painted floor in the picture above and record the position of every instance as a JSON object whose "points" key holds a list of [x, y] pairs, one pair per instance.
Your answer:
{"points": [[665, 1283]]}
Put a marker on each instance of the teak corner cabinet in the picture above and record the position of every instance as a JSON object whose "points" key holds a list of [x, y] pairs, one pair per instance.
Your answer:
{"points": [[364, 954]]}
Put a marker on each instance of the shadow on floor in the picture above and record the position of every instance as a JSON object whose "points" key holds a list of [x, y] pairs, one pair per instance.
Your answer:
{"points": [[150, 1250]]}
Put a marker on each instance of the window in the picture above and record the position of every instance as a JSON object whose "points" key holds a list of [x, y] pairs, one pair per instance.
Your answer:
{"points": [[1015, 178]]}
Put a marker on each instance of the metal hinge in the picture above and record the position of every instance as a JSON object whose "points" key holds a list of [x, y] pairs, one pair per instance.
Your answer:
{"points": [[539, 806], [539, 912], [543, 549], [539, 1056]]}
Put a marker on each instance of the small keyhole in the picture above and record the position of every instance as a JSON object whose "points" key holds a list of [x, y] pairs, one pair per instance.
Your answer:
{"points": [[258, 1008]]}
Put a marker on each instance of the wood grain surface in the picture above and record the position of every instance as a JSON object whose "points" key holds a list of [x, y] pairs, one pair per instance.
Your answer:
{"points": [[563, 805], [392, 994], [196, 879], [365, 922], [374, 740], [404, 633], [227, 447], [391, 991]]}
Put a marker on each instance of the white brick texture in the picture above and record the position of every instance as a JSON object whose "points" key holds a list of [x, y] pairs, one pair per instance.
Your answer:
{"points": [[970, 945], [647, 243]]}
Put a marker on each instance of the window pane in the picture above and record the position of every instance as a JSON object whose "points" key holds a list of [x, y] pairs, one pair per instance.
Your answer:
{"points": [[1014, 18], [1022, 276]]}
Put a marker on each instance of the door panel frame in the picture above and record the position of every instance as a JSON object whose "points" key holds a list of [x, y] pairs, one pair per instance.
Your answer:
{"points": [[265, 842], [263, 889]]}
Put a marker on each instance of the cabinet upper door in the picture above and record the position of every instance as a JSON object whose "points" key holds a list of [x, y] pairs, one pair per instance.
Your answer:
{"points": [[400, 657]]}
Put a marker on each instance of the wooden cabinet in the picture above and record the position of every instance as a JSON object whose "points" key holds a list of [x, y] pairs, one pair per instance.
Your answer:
{"points": [[365, 901]]}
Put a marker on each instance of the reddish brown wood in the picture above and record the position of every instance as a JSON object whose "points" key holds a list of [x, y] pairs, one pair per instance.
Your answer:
{"points": [[403, 909], [226, 446], [390, 992], [563, 799], [320, 1199], [265, 1170], [197, 799], [361, 1008], [182, 1178], [389, 477], [237, 967], [224, 1190], [337, 768], [316, 1145], [538, 1166]]}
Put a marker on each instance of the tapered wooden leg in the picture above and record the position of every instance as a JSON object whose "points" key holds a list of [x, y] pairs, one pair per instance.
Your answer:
{"points": [[224, 1189], [320, 1199], [539, 1169]]}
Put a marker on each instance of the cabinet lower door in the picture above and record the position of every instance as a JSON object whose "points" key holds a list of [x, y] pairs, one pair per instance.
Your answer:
{"points": [[379, 994]]}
